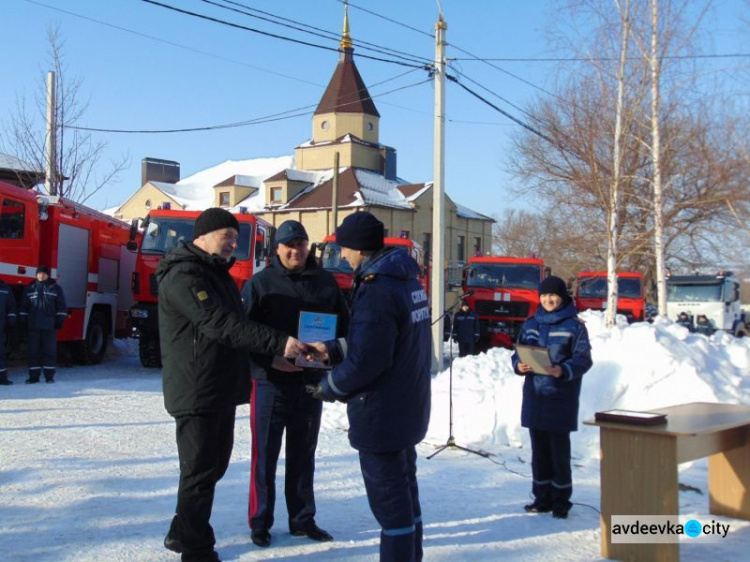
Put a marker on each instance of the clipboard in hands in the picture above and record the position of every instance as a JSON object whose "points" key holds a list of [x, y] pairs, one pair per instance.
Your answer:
{"points": [[536, 357]]}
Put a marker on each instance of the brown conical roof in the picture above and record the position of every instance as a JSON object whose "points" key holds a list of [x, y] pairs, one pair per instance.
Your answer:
{"points": [[346, 92]]}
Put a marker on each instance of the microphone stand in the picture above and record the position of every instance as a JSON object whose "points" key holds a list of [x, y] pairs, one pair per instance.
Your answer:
{"points": [[451, 440]]}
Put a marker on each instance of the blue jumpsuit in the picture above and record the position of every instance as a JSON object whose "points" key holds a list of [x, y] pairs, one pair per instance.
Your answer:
{"points": [[43, 310], [550, 405], [384, 376]]}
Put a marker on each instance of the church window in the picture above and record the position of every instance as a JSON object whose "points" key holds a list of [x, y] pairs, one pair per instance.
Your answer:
{"points": [[325, 125]]}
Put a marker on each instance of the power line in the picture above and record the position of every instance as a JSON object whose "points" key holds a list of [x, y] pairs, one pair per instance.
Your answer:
{"points": [[512, 117], [173, 44], [430, 35], [288, 114], [603, 59], [269, 34], [310, 29]]}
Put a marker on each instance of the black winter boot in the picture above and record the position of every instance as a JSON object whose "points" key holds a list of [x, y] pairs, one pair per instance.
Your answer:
{"points": [[4, 378]]}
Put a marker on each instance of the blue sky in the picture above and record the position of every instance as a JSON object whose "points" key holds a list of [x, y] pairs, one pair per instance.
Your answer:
{"points": [[146, 67]]}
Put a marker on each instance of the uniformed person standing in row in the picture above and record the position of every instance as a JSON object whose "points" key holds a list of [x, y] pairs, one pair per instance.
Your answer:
{"points": [[383, 374], [466, 330], [205, 345], [7, 318], [43, 310]]}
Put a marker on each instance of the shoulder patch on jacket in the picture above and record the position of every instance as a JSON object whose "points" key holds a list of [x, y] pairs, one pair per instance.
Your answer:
{"points": [[202, 295]]}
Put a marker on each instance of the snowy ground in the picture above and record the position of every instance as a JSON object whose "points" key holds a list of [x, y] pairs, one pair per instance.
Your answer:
{"points": [[88, 465]]}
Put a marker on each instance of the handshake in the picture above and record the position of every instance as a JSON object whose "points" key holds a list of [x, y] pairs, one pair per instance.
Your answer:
{"points": [[314, 355]]}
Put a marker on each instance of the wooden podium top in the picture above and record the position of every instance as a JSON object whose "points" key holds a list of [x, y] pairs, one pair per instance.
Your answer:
{"points": [[695, 418]]}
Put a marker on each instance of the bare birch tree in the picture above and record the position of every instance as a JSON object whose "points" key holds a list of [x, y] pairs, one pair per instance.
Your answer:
{"points": [[79, 164], [702, 172], [614, 198]]}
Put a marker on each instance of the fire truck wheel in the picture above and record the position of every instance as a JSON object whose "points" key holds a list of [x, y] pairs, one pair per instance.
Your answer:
{"points": [[150, 352], [92, 349]]}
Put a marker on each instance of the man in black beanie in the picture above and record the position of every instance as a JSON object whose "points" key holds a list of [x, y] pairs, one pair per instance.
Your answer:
{"points": [[205, 340], [383, 374]]}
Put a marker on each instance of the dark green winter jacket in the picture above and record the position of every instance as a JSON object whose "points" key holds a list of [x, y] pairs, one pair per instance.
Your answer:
{"points": [[205, 337]]}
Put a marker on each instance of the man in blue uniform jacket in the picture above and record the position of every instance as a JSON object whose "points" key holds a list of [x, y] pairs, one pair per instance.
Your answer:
{"points": [[466, 330], [43, 310], [383, 373]]}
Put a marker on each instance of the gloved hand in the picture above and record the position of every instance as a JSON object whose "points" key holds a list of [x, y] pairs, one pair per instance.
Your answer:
{"points": [[59, 321], [317, 391]]}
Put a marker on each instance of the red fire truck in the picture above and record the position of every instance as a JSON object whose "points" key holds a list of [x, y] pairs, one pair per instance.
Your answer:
{"points": [[591, 293], [330, 255], [503, 291], [159, 232], [87, 255]]}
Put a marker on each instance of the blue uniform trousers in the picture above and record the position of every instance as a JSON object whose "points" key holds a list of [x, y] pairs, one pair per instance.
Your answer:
{"points": [[393, 495], [204, 446], [42, 353], [550, 467], [274, 408]]}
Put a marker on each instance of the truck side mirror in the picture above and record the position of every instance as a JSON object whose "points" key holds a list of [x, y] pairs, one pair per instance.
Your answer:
{"points": [[131, 245], [133, 230]]}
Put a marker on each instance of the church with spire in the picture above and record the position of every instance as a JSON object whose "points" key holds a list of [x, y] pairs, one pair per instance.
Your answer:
{"points": [[301, 187]]}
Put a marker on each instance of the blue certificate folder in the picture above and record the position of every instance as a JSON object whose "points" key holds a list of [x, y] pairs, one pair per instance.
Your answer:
{"points": [[315, 326]]}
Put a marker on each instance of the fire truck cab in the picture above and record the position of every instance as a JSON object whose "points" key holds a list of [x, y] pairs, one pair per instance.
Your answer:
{"points": [[87, 256], [503, 291], [158, 233], [329, 253], [591, 293]]}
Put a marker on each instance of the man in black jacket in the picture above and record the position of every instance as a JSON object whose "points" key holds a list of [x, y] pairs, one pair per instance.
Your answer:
{"points": [[7, 316], [465, 330], [205, 345], [43, 310], [276, 296]]}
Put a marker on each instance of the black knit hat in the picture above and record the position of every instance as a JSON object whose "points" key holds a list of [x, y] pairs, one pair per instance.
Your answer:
{"points": [[290, 230], [554, 286], [212, 219], [42, 269], [360, 231]]}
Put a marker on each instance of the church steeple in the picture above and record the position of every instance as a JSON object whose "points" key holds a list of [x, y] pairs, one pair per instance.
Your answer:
{"points": [[346, 119]]}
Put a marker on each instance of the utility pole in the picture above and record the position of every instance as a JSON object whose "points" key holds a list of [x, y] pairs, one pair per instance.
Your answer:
{"points": [[51, 141], [335, 195], [437, 287]]}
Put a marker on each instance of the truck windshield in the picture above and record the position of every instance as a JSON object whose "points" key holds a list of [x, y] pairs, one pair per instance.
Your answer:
{"points": [[163, 234], [511, 276], [596, 287], [333, 261], [694, 293]]}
